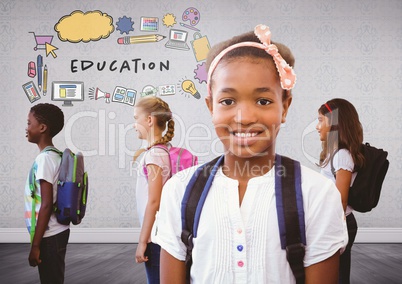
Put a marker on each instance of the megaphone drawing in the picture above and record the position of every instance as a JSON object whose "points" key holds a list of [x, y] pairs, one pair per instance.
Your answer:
{"points": [[96, 94]]}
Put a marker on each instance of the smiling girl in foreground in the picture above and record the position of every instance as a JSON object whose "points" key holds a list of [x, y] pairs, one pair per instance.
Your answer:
{"points": [[249, 83]]}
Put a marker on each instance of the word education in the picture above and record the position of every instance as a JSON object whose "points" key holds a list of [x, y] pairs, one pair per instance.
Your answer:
{"points": [[126, 65]]}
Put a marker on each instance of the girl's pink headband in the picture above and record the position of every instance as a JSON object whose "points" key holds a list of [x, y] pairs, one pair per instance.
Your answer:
{"points": [[286, 73]]}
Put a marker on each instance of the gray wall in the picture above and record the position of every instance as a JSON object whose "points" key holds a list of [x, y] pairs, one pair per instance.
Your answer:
{"points": [[350, 49]]}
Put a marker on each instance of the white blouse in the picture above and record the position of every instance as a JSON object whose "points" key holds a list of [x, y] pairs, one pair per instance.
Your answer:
{"points": [[341, 160], [241, 244]]}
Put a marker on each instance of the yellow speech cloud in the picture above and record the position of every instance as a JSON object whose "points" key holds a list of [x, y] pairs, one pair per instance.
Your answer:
{"points": [[85, 27]]}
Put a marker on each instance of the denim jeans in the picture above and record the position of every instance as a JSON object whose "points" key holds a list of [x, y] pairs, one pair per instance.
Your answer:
{"points": [[52, 254], [153, 252], [345, 260]]}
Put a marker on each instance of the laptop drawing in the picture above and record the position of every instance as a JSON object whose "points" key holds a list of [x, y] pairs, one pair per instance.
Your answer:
{"points": [[177, 40]]}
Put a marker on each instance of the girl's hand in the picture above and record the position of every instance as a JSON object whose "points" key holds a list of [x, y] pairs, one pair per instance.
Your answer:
{"points": [[139, 254], [342, 182]]}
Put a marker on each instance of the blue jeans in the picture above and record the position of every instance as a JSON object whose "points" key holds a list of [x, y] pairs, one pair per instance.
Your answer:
{"points": [[153, 252], [345, 260], [52, 254]]}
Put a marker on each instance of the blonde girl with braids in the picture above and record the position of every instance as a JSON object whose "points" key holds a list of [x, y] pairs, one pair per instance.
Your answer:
{"points": [[152, 116]]}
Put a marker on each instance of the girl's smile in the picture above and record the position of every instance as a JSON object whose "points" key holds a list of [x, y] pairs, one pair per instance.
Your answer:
{"points": [[247, 137], [323, 127], [141, 124], [246, 106]]}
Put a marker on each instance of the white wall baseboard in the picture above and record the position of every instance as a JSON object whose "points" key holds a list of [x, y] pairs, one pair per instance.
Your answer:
{"points": [[131, 235]]}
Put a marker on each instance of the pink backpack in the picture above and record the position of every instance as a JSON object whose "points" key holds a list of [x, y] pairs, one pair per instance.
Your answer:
{"points": [[180, 158]]}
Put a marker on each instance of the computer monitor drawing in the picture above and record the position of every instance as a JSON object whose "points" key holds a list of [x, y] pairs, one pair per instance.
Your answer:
{"points": [[67, 92], [177, 40]]}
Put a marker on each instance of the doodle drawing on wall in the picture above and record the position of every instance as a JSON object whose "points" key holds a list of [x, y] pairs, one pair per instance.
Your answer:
{"points": [[96, 94], [67, 92], [177, 40], [188, 86]]}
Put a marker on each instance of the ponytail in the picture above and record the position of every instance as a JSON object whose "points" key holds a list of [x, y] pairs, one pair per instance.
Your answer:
{"points": [[168, 135], [161, 111]]}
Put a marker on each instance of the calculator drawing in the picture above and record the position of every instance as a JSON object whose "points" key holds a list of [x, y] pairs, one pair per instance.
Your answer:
{"points": [[31, 91]]}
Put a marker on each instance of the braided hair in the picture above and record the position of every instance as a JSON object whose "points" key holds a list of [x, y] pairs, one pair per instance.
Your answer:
{"points": [[161, 111]]}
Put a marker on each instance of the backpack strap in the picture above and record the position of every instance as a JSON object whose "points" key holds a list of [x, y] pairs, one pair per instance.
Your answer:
{"points": [[193, 200], [162, 146], [36, 198], [289, 206], [166, 148], [289, 202], [332, 163]]}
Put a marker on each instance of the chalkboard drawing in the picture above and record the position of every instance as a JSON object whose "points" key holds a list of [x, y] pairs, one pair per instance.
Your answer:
{"points": [[124, 95], [43, 42], [169, 20], [149, 90], [96, 94], [125, 25], [201, 73], [200, 46], [191, 15], [140, 39], [67, 92], [149, 24], [167, 90], [177, 40], [31, 91], [85, 27], [189, 87], [31, 69]]}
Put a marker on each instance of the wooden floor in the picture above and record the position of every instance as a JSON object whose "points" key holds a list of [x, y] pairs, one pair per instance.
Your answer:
{"points": [[114, 264]]}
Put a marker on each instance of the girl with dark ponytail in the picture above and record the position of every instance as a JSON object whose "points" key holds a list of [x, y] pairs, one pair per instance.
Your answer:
{"points": [[341, 134]]}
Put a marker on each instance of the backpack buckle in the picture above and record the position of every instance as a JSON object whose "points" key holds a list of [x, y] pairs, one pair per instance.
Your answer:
{"points": [[295, 252], [187, 239]]}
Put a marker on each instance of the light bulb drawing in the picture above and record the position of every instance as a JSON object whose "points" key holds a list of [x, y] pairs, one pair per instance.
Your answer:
{"points": [[189, 87]]}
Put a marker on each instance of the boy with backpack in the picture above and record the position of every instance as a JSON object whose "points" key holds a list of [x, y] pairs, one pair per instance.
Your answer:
{"points": [[48, 237], [236, 237]]}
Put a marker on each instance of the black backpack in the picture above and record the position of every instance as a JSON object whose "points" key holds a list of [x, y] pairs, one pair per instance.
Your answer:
{"points": [[289, 204], [365, 192]]}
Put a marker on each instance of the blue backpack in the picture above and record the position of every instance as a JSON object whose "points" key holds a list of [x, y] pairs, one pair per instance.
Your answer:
{"points": [[289, 204], [72, 189]]}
